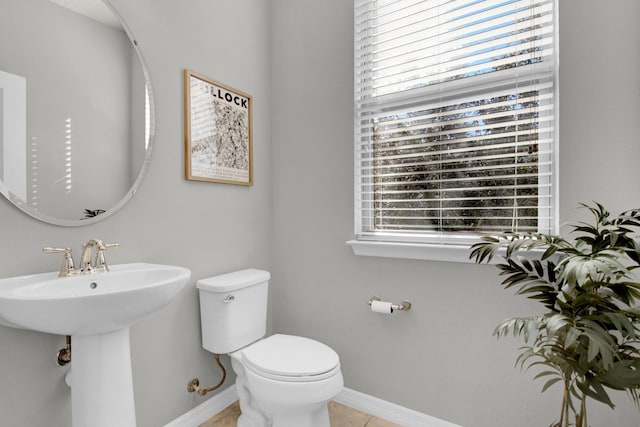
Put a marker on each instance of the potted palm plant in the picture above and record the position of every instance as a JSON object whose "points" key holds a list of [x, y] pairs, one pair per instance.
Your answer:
{"points": [[588, 338]]}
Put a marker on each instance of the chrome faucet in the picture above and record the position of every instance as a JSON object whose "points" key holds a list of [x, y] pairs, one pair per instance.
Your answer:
{"points": [[88, 262], [97, 263]]}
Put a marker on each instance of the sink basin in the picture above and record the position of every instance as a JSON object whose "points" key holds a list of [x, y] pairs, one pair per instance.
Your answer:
{"points": [[89, 304], [96, 310]]}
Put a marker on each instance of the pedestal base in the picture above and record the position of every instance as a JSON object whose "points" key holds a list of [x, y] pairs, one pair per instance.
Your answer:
{"points": [[102, 383]]}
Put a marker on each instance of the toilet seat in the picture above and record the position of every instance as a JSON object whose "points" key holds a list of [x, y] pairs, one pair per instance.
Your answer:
{"points": [[291, 358]]}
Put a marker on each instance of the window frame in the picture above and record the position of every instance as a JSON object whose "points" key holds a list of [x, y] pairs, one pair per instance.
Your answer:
{"points": [[443, 246]]}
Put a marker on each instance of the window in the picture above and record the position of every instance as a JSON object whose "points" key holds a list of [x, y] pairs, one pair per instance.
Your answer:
{"points": [[455, 105]]}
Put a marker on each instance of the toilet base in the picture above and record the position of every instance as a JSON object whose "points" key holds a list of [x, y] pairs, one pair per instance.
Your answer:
{"points": [[243, 421], [319, 418], [273, 414], [250, 415]]}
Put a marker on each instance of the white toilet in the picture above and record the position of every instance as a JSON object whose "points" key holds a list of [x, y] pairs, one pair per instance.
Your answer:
{"points": [[282, 380]]}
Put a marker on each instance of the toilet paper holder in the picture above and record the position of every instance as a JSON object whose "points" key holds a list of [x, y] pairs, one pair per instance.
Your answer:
{"points": [[403, 306]]}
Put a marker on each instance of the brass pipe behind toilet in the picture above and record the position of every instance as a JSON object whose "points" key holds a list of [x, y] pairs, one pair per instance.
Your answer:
{"points": [[194, 384]]}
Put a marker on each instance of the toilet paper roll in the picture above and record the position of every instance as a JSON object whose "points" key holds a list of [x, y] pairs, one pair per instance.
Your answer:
{"points": [[381, 307]]}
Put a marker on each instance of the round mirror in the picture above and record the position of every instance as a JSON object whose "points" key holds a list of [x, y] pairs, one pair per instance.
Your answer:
{"points": [[76, 110]]}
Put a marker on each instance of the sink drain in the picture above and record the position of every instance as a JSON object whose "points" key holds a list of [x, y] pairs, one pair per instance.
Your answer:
{"points": [[93, 285]]}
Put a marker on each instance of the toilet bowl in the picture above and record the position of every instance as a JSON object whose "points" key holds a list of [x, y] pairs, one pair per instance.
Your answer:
{"points": [[290, 379], [282, 380]]}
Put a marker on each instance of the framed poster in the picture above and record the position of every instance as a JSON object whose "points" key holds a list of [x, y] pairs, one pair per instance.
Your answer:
{"points": [[218, 140]]}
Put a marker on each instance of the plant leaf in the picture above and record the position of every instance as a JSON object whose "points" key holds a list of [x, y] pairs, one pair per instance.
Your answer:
{"points": [[597, 392], [549, 383]]}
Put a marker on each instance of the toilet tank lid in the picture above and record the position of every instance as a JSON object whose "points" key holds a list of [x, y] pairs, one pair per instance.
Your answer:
{"points": [[232, 281]]}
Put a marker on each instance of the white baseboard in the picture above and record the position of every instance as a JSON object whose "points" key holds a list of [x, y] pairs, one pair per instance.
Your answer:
{"points": [[389, 411], [206, 409], [362, 402]]}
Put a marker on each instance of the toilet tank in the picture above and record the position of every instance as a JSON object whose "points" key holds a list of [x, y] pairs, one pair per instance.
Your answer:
{"points": [[233, 309]]}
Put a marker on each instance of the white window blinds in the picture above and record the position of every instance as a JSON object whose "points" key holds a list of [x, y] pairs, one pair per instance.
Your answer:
{"points": [[454, 104]]}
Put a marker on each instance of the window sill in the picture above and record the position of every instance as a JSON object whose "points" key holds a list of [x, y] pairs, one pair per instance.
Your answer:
{"points": [[420, 251]]}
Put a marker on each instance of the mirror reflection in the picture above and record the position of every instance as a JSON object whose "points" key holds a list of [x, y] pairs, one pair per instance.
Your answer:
{"points": [[75, 115]]}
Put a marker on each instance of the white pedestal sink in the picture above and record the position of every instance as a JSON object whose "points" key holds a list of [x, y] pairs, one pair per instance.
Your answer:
{"points": [[96, 310]]}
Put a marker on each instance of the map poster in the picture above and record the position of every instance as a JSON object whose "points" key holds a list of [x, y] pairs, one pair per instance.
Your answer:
{"points": [[218, 146]]}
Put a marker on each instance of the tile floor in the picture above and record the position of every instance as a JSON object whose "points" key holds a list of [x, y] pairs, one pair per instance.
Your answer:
{"points": [[340, 416]]}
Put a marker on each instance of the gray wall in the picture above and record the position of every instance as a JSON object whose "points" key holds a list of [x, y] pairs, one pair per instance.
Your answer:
{"points": [[440, 357], [210, 228]]}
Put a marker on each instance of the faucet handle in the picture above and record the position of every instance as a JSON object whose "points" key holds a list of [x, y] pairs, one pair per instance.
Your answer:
{"points": [[101, 261], [67, 267]]}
